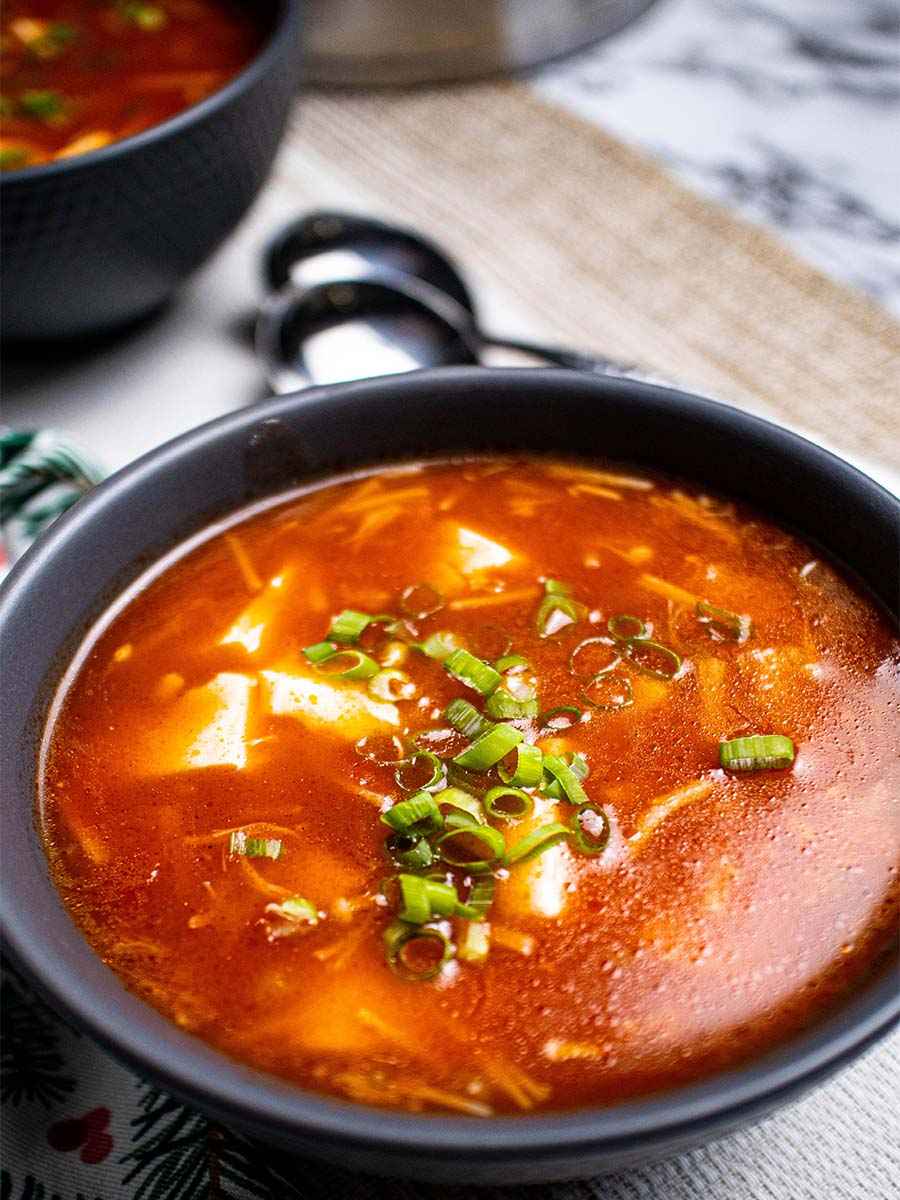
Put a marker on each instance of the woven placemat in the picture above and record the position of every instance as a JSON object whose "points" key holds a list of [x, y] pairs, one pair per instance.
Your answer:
{"points": [[569, 234]]}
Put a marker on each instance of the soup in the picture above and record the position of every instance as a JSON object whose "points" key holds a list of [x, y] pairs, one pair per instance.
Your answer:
{"points": [[80, 74], [483, 786]]}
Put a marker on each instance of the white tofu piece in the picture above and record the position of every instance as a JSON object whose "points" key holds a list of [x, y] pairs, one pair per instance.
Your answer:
{"points": [[344, 709]]}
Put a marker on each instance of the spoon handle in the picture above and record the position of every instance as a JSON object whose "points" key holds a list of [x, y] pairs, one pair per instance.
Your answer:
{"points": [[562, 357]]}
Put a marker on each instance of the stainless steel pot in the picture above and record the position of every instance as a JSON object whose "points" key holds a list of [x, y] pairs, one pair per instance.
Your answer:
{"points": [[364, 42]]}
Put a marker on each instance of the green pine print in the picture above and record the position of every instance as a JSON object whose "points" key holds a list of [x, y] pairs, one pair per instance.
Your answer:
{"points": [[31, 1065], [31, 1189], [177, 1154]]}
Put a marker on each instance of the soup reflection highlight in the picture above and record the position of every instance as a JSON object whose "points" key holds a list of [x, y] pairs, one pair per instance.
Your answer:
{"points": [[484, 787]]}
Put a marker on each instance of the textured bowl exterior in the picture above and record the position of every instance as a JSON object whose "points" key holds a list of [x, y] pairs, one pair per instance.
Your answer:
{"points": [[98, 241], [69, 576]]}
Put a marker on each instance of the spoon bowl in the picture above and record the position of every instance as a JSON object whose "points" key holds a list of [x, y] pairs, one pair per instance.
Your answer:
{"points": [[358, 328]]}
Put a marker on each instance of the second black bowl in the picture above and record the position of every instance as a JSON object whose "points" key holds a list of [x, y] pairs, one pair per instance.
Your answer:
{"points": [[97, 241]]}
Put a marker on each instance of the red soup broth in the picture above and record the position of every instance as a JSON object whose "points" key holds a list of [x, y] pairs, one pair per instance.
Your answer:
{"points": [[224, 767], [77, 75]]}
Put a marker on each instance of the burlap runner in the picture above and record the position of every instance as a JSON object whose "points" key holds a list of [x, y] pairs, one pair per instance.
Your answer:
{"points": [[568, 234]]}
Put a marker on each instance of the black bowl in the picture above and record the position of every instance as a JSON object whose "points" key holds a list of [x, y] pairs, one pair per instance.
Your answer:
{"points": [[98, 241], [68, 578]]}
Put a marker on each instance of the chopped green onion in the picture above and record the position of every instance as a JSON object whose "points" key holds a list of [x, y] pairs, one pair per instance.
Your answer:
{"points": [[577, 763], [566, 777], [445, 902], [473, 782], [13, 157], [501, 704], [421, 600], [557, 610], [348, 664], [609, 692], [553, 716], [580, 657], [296, 908], [348, 625], [410, 766], [41, 103], [319, 651], [415, 906], [536, 842], [461, 803], [253, 847], [472, 671], [489, 748], [410, 851], [529, 767], [624, 627], [403, 942], [653, 658], [475, 942], [466, 719], [438, 645], [590, 828], [722, 623], [508, 661], [391, 685], [148, 17], [760, 752], [456, 849], [508, 803], [481, 895], [419, 814]]}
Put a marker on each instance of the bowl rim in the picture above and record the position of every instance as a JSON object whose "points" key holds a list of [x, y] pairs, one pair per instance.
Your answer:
{"points": [[191, 1069], [286, 21]]}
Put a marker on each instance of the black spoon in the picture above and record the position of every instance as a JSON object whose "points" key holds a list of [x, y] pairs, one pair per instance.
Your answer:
{"points": [[357, 328], [327, 245], [379, 324]]}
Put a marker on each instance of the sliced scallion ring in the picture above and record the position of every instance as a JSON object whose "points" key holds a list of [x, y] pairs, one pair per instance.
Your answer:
{"points": [[624, 627], [391, 684], [508, 803], [416, 953], [536, 842], [419, 814], [578, 765], [472, 671], [438, 646], [723, 624], [509, 662], [408, 850], [319, 651], [528, 769], [609, 692], [348, 664], [347, 626], [653, 658], [474, 848], [590, 828], [556, 611], [419, 772], [759, 752], [506, 707], [566, 777], [466, 719], [481, 895], [564, 716], [594, 656], [489, 748], [253, 847], [460, 802], [415, 906]]}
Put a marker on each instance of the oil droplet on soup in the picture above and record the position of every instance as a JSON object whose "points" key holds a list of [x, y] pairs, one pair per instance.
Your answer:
{"points": [[483, 786]]}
